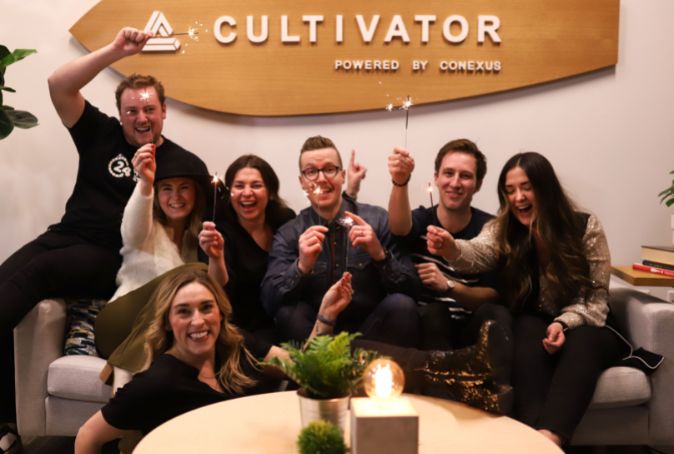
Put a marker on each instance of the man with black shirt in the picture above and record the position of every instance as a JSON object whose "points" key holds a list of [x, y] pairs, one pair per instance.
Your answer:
{"points": [[453, 305], [79, 256]]}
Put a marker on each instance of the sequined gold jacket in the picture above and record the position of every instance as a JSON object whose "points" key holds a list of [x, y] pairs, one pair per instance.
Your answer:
{"points": [[590, 307]]}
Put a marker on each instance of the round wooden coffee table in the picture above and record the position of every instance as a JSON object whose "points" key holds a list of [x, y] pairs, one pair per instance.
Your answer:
{"points": [[270, 423]]}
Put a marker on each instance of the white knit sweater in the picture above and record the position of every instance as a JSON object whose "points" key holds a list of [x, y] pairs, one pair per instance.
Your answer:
{"points": [[147, 250]]}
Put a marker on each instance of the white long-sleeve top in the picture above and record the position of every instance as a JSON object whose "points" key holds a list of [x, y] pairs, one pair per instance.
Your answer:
{"points": [[147, 250], [590, 307]]}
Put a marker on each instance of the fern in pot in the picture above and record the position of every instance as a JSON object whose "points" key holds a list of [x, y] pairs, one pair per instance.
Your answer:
{"points": [[328, 371]]}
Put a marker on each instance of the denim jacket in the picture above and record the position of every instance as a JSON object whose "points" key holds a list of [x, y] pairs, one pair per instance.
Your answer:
{"points": [[285, 284]]}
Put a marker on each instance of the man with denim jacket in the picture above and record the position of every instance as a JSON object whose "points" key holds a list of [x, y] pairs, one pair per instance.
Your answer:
{"points": [[333, 236]]}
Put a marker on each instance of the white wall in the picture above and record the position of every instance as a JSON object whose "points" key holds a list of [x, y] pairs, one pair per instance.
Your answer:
{"points": [[610, 135]]}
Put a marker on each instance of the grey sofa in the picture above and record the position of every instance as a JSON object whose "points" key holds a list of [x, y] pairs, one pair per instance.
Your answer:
{"points": [[56, 394]]}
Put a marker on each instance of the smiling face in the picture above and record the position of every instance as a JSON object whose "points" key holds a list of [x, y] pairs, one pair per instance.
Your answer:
{"points": [[521, 196], [195, 320], [176, 197], [142, 116], [249, 195], [325, 193], [457, 180]]}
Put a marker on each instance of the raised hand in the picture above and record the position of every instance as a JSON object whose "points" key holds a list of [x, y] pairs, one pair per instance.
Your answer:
{"points": [[355, 173], [440, 242], [337, 298], [211, 241], [131, 40], [400, 166], [362, 234], [310, 246], [144, 163]]}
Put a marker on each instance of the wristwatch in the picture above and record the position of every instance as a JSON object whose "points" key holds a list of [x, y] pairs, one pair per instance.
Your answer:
{"points": [[450, 285]]}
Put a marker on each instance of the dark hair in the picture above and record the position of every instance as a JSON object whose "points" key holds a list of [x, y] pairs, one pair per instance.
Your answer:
{"points": [[318, 143], [559, 225], [136, 81], [276, 206], [468, 147]]}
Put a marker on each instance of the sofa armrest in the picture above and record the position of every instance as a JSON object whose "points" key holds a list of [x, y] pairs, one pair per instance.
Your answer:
{"points": [[649, 323], [38, 341]]}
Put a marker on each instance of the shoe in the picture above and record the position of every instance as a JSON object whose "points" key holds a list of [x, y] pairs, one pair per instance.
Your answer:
{"points": [[475, 375], [10, 442]]}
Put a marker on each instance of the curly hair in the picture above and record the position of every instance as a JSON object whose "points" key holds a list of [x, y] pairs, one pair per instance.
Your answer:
{"points": [[558, 224], [229, 345]]}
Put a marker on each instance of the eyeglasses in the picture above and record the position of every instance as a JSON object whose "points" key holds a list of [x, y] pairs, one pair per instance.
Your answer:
{"points": [[329, 171]]}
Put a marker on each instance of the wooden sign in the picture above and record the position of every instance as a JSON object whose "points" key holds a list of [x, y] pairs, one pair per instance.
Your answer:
{"points": [[255, 57]]}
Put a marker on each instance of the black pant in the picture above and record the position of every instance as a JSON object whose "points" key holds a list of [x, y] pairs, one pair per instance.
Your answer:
{"points": [[442, 332], [553, 391], [394, 321], [53, 265]]}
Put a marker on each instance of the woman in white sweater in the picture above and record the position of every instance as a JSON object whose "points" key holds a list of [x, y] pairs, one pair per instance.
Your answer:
{"points": [[162, 230]]}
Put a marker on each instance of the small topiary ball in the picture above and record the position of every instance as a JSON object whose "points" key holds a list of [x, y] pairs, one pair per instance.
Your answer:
{"points": [[321, 437]]}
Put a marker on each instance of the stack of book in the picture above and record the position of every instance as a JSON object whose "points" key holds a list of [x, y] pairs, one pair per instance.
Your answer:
{"points": [[656, 259]]}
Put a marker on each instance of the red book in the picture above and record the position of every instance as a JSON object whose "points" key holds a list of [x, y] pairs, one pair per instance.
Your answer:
{"points": [[652, 269]]}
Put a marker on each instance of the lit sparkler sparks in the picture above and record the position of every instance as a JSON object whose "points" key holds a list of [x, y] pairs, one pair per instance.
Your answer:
{"points": [[406, 104], [215, 180]]}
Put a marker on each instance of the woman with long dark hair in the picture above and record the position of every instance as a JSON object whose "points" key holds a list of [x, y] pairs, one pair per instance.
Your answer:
{"points": [[254, 212], [555, 269]]}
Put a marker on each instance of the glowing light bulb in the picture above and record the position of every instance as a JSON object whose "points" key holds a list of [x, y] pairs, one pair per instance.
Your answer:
{"points": [[383, 379]]}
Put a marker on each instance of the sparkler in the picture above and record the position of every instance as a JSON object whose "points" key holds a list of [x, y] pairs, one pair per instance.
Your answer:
{"points": [[406, 107], [430, 195], [215, 182], [346, 223], [407, 103]]}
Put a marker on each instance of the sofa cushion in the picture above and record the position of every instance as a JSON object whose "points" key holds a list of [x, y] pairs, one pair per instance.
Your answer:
{"points": [[76, 378], [621, 387]]}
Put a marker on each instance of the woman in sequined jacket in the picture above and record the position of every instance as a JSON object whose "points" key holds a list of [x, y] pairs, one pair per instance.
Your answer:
{"points": [[554, 266]]}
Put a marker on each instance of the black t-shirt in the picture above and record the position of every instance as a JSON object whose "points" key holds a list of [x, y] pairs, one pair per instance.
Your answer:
{"points": [[170, 388], [105, 179], [415, 244], [246, 266]]}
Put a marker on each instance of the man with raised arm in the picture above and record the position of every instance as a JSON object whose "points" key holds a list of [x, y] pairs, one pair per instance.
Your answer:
{"points": [[452, 305], [79, 256], [334, 235]]}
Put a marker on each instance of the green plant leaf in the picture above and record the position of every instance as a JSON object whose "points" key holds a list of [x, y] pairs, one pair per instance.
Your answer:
{"points": [[327, 367], [15, 56], [6, 124], [10, 89], [22, 119]]}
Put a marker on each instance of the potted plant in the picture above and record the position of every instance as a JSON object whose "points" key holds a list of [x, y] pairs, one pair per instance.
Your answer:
{"points": [[667, 195], [10, 117], [321, 437], [327, 371]]}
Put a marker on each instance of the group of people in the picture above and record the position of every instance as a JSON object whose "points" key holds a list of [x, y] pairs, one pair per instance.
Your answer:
{"points": [[519, 299]]}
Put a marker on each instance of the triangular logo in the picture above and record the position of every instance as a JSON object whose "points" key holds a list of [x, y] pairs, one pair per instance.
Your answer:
{"points": [[162, 30]]}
